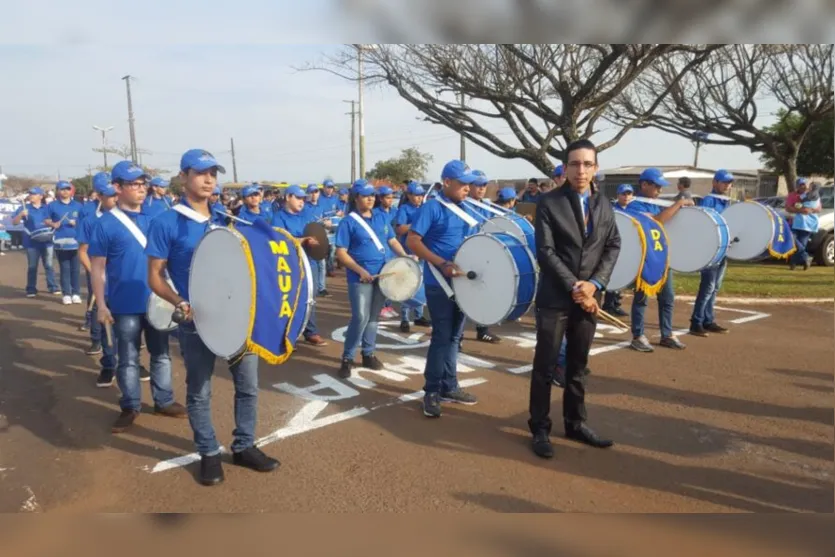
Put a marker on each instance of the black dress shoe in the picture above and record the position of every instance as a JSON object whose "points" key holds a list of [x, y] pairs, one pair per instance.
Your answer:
{"points": [[255, 459], [211, 470], [542, 445], [584, 434]]}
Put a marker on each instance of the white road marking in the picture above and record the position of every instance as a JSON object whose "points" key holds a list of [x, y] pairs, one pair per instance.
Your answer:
{"points": [[30, 505]]}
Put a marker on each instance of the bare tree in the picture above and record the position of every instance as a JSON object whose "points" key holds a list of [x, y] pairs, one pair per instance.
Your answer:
{"points": [[725, 98], [543, 95]]}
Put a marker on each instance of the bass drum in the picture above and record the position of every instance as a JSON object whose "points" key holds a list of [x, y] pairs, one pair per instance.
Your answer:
{"points": [[628, 265]]}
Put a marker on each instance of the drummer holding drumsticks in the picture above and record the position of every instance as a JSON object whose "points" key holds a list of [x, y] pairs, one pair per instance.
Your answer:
{"points": [[406, 214], [360, 248], [33, 213]]}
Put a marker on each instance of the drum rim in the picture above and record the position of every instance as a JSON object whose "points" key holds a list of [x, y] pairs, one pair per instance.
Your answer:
{"points": [[240, 237], [308, 271], [771, 212], [417, 265], [635, 224], [714, 259], [171, 324]]}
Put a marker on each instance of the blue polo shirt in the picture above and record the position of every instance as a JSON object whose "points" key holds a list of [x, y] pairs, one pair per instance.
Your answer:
{"points": [[246, 214], [716, 203], [173, 237], [154, 207], [85, 229], [638, 206], [405, 215], [441, 230], [390, 214], [293, 223], [126, 270], [267, 210], [328, 204], [217, 217], [33, 221], [316, 211], [57, 210], [352, 236]]}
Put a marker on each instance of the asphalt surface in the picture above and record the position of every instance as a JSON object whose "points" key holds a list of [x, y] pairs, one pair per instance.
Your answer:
{"points": [[735, 423]]}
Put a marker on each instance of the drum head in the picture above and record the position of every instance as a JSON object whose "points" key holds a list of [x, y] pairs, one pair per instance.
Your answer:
{"points": [[694, 240], [752, 224], [220, 292], [321, 251], [306, 301], [503, 224], [631, 253], [403, 280], [488, 298], [159, 312]]}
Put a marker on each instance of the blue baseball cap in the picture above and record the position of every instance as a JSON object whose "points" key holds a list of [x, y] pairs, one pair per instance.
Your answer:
{"points": [[328, 183], [558, 171], [127, 171], [507, 193], [63, 185], [365, 191], [800, 182], [35, 191], [199, 160], [723, 175], [655, 176], [312, 187], [295, 191], [343, 191], [385, 190], [251, 189], [481, 178], [159, 181], [359, 183], [625, 188], [458, 171], [217, 191], [415, 189]]}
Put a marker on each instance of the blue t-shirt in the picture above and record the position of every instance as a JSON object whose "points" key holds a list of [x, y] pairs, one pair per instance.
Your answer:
{"points": [[391, 213], [442, 231], [718, 204], [405, 215], [246, 214], [126, 272], [267, 210], [352, 236], [317, 211], [85, 229], [217, 217], [173, 238], [293, 223], [154, 207], [68, 211], [328, 204], [33, 221], [639, 206], [89, 208]]}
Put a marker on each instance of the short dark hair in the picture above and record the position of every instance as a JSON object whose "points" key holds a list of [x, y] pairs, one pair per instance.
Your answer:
{"points": [[684, 181], [533, 181], [577, 145]]}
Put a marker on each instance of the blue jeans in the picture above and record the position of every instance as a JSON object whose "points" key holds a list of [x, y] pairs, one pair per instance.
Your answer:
{"points": [[441, 372], [321, 275], [406, 313], [43, 254], [70, 269], [801, 240], [366, 302], [331, 254], [709, 286], [311, 328], [90, 317], [129, 329], [108, 342], [666, 300], [200, 366]]}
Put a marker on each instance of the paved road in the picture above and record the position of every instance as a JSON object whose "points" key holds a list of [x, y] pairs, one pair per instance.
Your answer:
{"points": [[737, 423]]}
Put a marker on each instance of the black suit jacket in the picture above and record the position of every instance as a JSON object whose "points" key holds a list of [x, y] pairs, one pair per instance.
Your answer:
{"points": [[564, 252]]}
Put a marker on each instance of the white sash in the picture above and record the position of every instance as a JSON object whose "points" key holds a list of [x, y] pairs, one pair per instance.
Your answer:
{"points": [[370, 232], [486, 206], [130, 225], [190, 213], [441, 279], [719, 196], [458, 212], [651, 201]]}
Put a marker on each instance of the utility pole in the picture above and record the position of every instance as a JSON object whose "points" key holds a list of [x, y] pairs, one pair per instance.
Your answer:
{"points": [[463, 141], [353, 114], [103, 149], [134, 154], [361, 116], [234, 163]]}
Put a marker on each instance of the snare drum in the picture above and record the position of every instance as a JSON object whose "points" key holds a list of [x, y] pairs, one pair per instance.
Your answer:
{"points": [[42, 235], [65, 244], [513, 224], [402, 279], [751, 225], [159, 312], [628, 264], [302, 317], [698, 237], [504, 280]]}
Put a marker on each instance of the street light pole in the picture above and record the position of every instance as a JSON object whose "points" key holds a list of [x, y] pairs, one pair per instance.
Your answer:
{"points": [[353, 114], [103, 142], [134, 154], [361, 115]]}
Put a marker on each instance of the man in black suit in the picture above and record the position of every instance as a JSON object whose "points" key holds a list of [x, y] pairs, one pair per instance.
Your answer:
{"points": [[577, 245]]}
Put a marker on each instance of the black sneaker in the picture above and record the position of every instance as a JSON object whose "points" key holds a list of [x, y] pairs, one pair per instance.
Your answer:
{"points": [[423, 322], [460, 397], [619, 312], [144, 374], [542, 446], [405, 327], [371, 362], [324, 293], [211, 470], [94, 350], [489, 338], [255, 459], [124, 421], [715, 328], [432, 405], [698, 331], [345, 368], [106, 378]]}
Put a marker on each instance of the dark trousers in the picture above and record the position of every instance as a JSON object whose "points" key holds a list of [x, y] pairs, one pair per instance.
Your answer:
{"points": [[551, 324]]}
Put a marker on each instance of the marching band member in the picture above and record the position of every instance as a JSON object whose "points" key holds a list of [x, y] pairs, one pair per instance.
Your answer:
{"points": [[62, 215], [217, 207], [158, 200], [328, 199], [650, 183], [33, 214], [119, 272], [252, 208], [361, 241], [89, 208], [612, 299], [406, 214], [384, 204], [317, 211], [506, 198], [577, 246], [266, 202], [342, 203], [99, 340], [478, 190], [172, 240], [703, 319], [441, 225], [293, 218]]}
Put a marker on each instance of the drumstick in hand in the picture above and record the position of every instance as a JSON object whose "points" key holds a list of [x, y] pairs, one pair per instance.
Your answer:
{"points": [[612, 319]]}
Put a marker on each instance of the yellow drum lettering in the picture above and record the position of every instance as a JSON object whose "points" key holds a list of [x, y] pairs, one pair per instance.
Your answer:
{"points": [[656, 237], [285, 283]]}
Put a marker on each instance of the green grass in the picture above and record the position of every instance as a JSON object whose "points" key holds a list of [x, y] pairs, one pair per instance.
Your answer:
{"points": [[766, 280]]}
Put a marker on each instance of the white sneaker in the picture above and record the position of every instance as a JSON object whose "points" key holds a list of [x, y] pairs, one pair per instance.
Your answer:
{"points": [[67, 300], [76, 299]]}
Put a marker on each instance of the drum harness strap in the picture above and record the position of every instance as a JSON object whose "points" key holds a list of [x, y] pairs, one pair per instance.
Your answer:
{"points": [[370, 232], [485, 206], [458, 212], [130, 225]]}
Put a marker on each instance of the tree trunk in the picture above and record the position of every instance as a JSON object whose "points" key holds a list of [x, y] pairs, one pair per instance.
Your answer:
{"points": [[789, 169]]}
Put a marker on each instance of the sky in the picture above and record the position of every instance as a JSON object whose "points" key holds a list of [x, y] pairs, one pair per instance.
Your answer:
{"points": [[287, 125]]}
